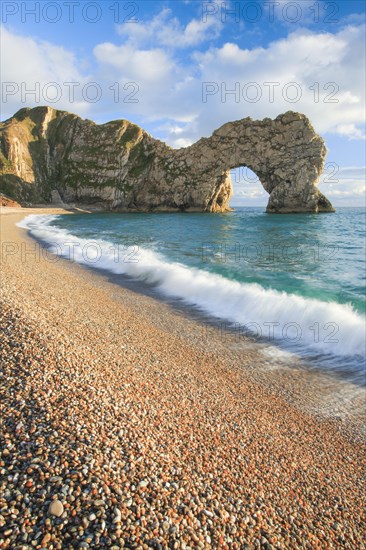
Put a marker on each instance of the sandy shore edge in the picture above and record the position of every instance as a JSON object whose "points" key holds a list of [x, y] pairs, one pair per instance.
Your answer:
{"points": [[206, 433]]}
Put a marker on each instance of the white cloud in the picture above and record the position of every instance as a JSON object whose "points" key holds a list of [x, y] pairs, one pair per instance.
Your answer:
{"points": [[344, 184], [146, 66], [327, 70], [166, 30], [160, 81], [30, 64], [351, 131], [324, 70]]}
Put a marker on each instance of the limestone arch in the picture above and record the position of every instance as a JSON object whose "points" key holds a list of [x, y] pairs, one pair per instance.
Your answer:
{"points": [[285, 153]]}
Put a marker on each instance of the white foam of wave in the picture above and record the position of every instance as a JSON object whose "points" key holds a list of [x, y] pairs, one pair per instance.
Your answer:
{"points": [[280, 354], [337, 329]]}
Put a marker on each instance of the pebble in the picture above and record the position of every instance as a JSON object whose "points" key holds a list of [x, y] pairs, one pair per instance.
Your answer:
{"points": [[46, 539], [54, 479], [164, 444], [56, 508]]}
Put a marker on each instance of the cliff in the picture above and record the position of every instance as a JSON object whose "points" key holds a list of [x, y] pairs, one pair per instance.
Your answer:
{"points": [[45, 153]]}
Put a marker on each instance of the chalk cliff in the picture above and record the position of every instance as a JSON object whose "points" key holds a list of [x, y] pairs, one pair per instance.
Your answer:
{"points": [[47, 154]]}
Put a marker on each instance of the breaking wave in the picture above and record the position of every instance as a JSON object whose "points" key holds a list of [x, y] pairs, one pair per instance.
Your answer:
{"points": [[314, 326]]}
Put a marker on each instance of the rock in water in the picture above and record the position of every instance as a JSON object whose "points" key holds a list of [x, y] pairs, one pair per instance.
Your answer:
{"points": [[47, 153]]}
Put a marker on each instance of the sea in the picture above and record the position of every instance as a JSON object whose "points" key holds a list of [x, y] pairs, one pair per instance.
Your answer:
{"points": [[295, 282]]}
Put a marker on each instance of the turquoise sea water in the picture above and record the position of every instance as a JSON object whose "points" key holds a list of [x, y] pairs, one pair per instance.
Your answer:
{"points": [[295, 280]]}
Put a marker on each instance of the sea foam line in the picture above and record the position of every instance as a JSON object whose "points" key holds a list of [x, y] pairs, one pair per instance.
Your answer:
{"points": [[323, 327]]}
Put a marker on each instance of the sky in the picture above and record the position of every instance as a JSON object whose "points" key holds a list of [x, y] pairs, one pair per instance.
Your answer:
{"points": [[182, 68]]}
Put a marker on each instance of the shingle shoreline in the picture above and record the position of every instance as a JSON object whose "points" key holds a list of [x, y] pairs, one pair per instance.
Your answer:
{"points": [[143, 440]]}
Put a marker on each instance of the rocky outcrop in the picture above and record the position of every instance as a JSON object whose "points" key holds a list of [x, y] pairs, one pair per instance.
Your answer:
{"points": [[45, 153], [8, 203]]}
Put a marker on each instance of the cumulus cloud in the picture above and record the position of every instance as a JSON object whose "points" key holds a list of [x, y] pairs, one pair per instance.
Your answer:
{"points": [[149, 66], [28, 64], [318, 74], [160, 82], [166, 30], [344, 184], [351, 131]]}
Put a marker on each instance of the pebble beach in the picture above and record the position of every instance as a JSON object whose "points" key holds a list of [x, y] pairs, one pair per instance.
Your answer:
{"points": [[122, 427]]}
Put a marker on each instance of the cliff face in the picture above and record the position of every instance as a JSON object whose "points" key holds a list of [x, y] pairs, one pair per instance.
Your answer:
{"points": [[45, 152]]}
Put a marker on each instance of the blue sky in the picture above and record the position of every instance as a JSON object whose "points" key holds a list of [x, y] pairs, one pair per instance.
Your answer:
{"points": [[182, 68]]}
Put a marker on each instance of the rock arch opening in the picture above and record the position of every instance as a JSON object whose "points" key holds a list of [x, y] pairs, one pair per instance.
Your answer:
{"points": [[248, 189]]}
